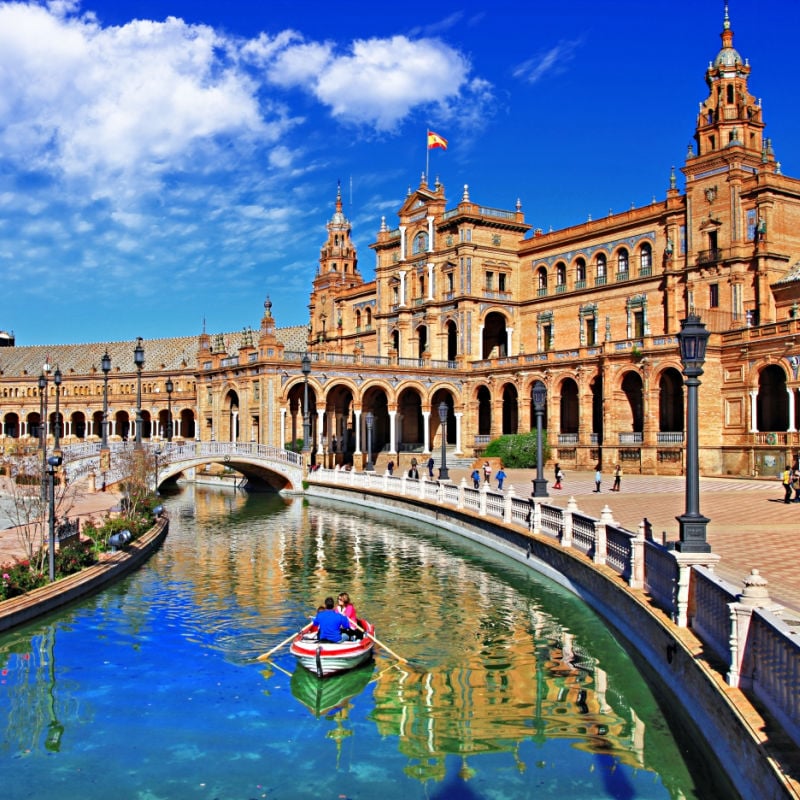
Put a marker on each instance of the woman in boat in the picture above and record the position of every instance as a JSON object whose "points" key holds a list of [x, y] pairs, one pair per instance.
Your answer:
{"points": [[349, 610]]}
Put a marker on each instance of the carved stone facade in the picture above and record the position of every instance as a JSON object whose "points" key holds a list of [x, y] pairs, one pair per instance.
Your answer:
{"points": [[469, 307]]}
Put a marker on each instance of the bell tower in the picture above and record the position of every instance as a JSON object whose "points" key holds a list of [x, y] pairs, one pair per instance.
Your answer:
{"points": [[338, 260], [730, 119]]}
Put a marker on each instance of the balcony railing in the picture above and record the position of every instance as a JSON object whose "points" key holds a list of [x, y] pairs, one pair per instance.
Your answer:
{"points": [[669, 437], [632, 437]]}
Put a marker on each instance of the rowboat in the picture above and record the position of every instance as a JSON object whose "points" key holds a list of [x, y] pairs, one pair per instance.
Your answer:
{"points": [[329, 658], [321, 697]]}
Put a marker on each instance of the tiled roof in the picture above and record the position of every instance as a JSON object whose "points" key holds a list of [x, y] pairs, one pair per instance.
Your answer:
{"points": [[173, 354], [791, 276]]}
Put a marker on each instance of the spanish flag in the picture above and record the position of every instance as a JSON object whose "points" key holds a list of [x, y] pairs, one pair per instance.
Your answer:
{"points": [[434, 140]]}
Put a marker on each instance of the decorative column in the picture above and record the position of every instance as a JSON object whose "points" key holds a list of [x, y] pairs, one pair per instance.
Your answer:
{"points": [[402, 229], [790, 391], [458, 451], [393, 432], [426, 432], [357, 413], [753, 410]]}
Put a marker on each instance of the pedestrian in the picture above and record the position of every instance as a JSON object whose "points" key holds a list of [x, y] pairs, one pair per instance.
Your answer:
{"points": [[617, 478], [786, 480], [476, 479], [487, 471], [598, 479], [501, 476], [430, 467], [559, 476], [390, 467], [796, 483], [412, 471]]}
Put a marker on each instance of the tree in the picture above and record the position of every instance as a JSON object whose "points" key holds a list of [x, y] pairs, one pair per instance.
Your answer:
{"points": [[517, 450], [22, 483]]}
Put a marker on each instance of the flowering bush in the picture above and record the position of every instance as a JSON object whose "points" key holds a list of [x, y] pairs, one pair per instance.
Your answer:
{"points": [[18, 578]]}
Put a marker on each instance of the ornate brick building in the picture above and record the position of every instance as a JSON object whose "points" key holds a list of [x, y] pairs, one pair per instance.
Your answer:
{"points": [[470, 306]]}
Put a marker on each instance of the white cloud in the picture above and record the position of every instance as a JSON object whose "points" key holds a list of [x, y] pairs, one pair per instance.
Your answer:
{"points": [[377, 82], [553, 61]]}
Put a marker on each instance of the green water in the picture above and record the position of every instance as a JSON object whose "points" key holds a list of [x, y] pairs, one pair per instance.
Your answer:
{"points": [[151, 689]]}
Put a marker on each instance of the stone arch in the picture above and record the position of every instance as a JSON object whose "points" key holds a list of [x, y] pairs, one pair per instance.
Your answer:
{"points": [[294, 399], [439, 396], [569, 407], [510, 409], [11, 427], [671, 414], [484, 401], [452, 339], [772, 403], [77, 424], [339, 422], [495, 337], [633, 390], [410, 427]]}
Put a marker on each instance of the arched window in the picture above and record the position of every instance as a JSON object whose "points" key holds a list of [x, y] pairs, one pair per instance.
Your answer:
{"points": [[561, 274], [622, 260], [601, 268], [368, 315], [358, 320], [580, 273], [541, 281], [645, 259]]}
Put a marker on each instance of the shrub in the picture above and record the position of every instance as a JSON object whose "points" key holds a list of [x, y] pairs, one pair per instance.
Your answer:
{"points": [[517, 450], [18, 578], [73, 558]]}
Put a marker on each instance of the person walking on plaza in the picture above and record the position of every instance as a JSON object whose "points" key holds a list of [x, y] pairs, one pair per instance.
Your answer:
{"points": [[476, 479], [487, 471], [786, 480], [559, 476], [617, 478], [598, 479], [501, 476], [796, 483], [430, 467]]}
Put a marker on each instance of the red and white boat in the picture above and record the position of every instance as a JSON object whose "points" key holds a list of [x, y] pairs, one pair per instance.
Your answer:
{"points": [[328, 658]]}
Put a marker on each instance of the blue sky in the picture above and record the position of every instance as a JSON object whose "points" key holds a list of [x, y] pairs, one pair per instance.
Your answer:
{"points": [[169, 162]]}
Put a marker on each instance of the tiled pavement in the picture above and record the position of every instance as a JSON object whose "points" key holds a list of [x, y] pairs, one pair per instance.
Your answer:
{"points": [[750, 527]]}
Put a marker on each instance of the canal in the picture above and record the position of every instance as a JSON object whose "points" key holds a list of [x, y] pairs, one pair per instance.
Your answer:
{"points": [[151, 689]]}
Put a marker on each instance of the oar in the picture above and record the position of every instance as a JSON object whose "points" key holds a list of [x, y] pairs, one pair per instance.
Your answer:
{"points": [[265, 656], [382, 645]]}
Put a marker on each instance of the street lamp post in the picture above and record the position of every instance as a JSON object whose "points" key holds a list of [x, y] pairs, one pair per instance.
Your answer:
{"points": [[52, 464], [57, 431], [369, 418], [43, 424], [138, 360], [170, 387], [539, 399], [444, 475], [306, 369], [105, 365], [692, 338]]}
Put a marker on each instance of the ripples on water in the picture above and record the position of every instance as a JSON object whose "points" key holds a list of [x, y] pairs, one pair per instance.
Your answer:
{"points": [[151, 689]]}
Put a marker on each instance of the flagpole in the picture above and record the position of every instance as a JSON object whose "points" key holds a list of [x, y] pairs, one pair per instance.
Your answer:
{"points": [[427, 157]]}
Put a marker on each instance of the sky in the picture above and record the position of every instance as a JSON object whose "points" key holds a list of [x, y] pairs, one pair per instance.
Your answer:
{"points": [[167, 165]]}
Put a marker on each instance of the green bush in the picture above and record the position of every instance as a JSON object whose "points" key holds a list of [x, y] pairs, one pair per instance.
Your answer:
{"points": [[18, 578], [517, 450], [73, 558]]}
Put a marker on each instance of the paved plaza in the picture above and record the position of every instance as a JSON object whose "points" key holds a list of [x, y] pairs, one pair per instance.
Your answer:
{"points": [[750, 527]]}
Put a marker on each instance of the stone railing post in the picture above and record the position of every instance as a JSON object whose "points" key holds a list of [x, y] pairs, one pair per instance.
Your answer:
{"points": [[403, 482], [754, 595], [536, 517], [507, 505], [566, 522], [637, 558], [601, 536], [461, 487], [685, 563], [482, 500]]}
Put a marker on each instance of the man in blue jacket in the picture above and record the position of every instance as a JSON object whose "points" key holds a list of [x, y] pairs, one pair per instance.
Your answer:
{"points": [[330, 622]]}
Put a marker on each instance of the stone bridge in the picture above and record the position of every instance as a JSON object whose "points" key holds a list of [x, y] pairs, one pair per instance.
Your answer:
{"points": [[278, 468]]}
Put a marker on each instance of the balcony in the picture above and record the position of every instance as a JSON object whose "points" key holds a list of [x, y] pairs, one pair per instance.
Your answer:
{"points": [[632, 437], [669, 437]]}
